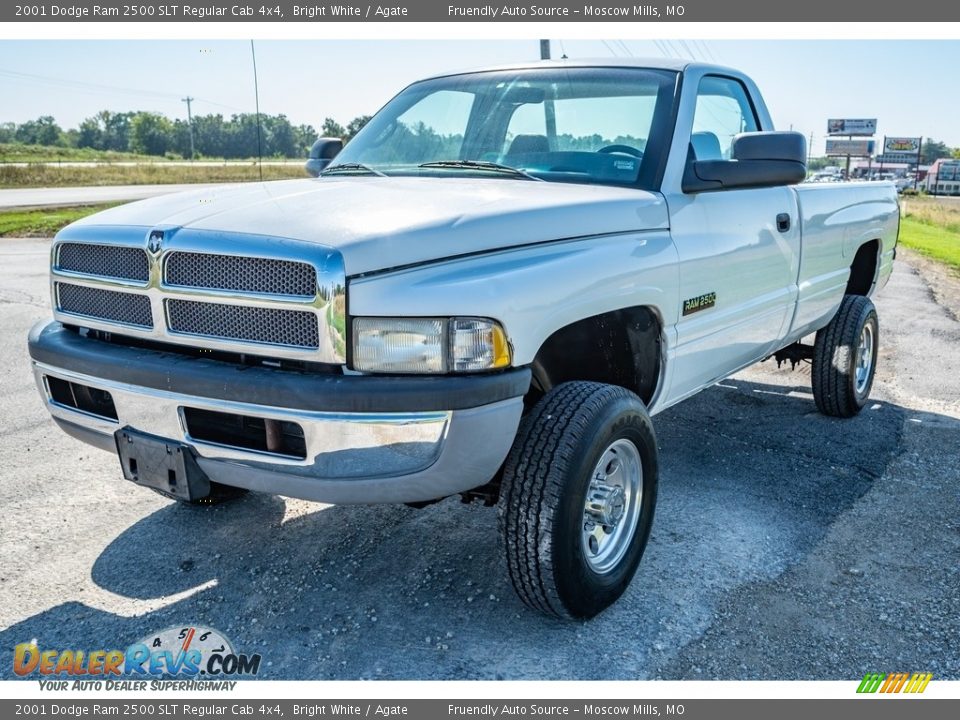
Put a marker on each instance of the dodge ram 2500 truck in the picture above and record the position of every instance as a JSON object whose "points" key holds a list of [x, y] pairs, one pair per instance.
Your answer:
{"points": [[488, 292]]}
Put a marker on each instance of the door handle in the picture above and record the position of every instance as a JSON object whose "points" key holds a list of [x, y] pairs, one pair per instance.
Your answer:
{"points": [[783, 222]]}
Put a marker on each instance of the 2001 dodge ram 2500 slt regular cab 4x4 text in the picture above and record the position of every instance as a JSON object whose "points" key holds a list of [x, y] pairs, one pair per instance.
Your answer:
{"points": [[487, 292]]}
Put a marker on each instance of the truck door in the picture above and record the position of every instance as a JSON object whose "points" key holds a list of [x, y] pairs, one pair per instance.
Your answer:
{"points": [[738, 251]]}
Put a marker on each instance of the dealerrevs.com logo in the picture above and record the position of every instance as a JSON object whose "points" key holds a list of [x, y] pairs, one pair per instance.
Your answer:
{"points": [[193, 653]]}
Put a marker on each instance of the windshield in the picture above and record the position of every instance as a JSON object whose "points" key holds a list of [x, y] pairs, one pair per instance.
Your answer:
{"points": [[582, 125]]}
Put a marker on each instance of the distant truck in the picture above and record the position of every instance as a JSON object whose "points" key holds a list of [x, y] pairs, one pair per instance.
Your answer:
{"points": [[487, 293]]}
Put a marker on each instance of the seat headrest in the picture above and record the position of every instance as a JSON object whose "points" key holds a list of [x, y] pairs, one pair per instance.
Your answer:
{"points": [[523, 144]]}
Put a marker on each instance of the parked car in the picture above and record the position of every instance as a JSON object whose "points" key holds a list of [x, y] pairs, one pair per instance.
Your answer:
{"points": [[489, 293]]}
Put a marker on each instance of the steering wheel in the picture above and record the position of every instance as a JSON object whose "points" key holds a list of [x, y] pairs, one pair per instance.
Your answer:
{"points": [[622, 149]]}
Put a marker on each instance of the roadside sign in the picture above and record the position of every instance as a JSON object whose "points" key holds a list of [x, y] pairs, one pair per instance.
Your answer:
{"points": [[852, 126], [907, 145], [854, 148]]}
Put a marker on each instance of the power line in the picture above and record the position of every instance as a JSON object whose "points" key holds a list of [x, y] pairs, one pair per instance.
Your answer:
{"points": [[612, 51], [662, 47], [673, 50], [706, 50], [100, 88]]}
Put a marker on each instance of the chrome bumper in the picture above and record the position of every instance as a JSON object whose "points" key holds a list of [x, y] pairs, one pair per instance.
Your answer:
{"points": [[351, 457]]}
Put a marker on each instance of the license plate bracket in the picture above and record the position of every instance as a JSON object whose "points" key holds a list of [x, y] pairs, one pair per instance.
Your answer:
{"points": [[165, 465]]}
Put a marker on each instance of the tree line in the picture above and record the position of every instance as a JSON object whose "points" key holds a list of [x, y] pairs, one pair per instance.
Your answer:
{"points": [[150, 133]]}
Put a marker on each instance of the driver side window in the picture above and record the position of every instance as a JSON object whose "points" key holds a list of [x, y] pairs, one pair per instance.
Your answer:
{"points": [[723, 111]]}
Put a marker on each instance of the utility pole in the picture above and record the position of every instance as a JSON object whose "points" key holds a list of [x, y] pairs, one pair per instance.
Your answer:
{"points": [[548, 106], [810, 150], [189, 100]]}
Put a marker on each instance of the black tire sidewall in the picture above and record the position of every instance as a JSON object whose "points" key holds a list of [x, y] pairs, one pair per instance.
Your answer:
{"points": [[869, 317], [584, 592]]}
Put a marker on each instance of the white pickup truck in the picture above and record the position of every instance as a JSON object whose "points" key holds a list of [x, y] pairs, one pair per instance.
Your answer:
{"points": [[488, 292]]}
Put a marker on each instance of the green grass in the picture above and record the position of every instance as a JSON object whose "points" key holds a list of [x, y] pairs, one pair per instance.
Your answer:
{"points": [[156, 174], [17, 152], [936, 243], [43, 222]]}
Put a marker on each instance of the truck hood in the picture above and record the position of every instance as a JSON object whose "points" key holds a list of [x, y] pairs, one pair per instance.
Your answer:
{"points": [[384, 222]]}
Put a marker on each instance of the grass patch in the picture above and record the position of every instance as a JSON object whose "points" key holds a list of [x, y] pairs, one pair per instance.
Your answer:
{"points": [[937, 243], [44, 222], [932, 211], [155, 174], [17, 152]]}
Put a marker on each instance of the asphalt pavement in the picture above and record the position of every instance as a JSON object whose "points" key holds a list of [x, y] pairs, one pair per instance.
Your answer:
{"points": [[786, 545], [61, 197]]}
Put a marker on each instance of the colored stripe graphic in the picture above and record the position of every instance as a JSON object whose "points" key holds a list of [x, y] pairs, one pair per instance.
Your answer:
{"points": [[894, 683], [870, 683], [918, 683]]}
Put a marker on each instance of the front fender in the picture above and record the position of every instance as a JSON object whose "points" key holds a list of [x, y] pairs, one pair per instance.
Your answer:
{"points": [[535, 290]]}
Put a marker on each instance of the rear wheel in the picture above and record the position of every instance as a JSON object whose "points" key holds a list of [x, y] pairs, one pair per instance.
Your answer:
{"points": [[845, 358], [577, 499]]}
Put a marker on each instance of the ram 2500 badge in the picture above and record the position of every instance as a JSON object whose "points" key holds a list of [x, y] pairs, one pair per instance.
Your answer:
{"points": [[488, 292]]}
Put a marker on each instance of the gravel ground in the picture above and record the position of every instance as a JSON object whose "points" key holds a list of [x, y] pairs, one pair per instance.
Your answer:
{"points": [[786, 545]]}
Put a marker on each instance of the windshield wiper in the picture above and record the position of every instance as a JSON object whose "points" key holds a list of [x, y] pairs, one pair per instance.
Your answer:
{"points": [[480, 165], [352, 167]]}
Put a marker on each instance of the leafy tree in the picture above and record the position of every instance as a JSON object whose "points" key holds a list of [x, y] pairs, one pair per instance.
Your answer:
{"points": [[150, 133], [933, 150], [281, 137], [331, 128], [210, 135], [306, 136], [42, 131], [90, 134], [355, 126], [8, 132]]}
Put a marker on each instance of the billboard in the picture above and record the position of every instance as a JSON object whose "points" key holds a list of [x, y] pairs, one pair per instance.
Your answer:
{"points": [[907, 145], [854, 126], [856, 148]]}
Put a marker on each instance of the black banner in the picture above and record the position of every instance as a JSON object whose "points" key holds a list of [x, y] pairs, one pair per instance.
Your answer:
{"points": [[446, 11], [445, 709]]}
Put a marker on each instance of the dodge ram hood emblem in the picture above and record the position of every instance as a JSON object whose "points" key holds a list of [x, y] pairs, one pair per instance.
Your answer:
{"points": [[155, 243]]}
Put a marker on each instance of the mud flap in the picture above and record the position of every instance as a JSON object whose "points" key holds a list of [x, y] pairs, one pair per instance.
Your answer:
{"points": [[165, 465]]}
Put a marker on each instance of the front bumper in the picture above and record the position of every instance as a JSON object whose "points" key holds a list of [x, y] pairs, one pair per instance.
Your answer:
{"points": [[367, 439]]}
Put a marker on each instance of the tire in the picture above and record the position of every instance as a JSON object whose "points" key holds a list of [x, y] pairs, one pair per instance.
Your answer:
{"points": [[543, 515], [845, 358], [218, 494]]}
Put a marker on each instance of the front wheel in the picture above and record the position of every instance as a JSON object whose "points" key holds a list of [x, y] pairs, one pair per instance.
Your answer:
{"points": [[845, 358], [577, 499]]}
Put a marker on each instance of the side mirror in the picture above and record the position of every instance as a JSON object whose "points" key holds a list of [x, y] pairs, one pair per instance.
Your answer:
{"points": [[758, 159], [323, 151]]}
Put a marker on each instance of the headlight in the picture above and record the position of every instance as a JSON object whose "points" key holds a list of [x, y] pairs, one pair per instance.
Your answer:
{"points": [[428, 345]]}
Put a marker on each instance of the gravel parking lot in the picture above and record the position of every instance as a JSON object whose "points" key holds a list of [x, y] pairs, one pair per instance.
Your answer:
{"points": [[786, 545]]}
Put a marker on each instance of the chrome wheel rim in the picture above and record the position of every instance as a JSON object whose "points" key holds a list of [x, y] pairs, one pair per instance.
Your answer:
{"points": [[864, 359], [611, 508]]}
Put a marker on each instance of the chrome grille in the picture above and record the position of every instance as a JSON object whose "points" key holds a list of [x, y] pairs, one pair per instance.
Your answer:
{"points": [[244, 274], [110, 261], [297, 328], [131, 309], [282, 298]]}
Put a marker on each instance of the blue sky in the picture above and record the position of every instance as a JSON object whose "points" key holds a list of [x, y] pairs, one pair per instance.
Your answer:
{"points": [[907, 85]]}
